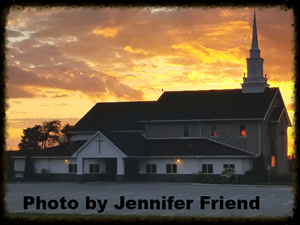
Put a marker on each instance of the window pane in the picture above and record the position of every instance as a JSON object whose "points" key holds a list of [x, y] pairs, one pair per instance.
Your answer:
{"points": [[243, 131], [148, 168], [214, 132], [204, 168], [71, 168], [174, 168], [232, 166], [75, 168], [210, 168], [186, 131], [225, 165], [273, 161], [92, 168], [153, 168], [97, 168], [168, 168]]}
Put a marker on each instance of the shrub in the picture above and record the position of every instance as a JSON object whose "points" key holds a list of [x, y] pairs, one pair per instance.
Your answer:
{"points": [[220, 181], [45, 175], [197, 178], [235, 182], [228, 174]]}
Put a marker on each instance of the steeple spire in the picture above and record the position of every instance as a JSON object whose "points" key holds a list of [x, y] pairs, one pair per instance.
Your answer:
{"points": [[255, 82], [254, 51]]}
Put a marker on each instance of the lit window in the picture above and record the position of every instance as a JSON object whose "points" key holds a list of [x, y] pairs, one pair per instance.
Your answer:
{"points": [[273, 161], [243, 132], [213, 131], [186, 131]]}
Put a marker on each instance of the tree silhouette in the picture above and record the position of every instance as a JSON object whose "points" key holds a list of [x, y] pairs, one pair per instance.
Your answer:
{"points": [[65, 131], [31, 139], [44, 136]]}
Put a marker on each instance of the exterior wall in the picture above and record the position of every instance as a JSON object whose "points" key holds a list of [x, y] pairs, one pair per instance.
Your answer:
{"points": [[19, 164], [281, 163], [107, 150], [277, 132], [228, 132], [193, 166], [171, 130], [57, 166], [185, 166], [88, 161]]}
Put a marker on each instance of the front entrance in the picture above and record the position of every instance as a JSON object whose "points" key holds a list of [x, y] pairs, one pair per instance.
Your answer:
{"points": [[111, 169], [131, 169]]}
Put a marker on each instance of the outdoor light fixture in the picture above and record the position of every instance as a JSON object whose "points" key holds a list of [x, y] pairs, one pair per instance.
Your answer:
{"points": [[66, 160], [178, 160]]}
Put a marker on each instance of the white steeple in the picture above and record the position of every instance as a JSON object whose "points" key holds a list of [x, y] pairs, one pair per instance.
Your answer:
{"points": [[255, 82]]}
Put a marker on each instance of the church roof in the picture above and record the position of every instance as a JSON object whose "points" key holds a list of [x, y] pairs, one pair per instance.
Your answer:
{"points": [[63, 149], [137, 146], [178, 105], [276, 113]]}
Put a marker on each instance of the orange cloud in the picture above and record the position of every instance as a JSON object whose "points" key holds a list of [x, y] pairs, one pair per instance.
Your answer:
{"points": [[107, 32]]}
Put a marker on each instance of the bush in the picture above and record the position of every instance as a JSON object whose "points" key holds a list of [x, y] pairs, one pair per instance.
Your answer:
{"points": [[197, 178], [235, 182], [220, 181], [228, 174], [45, 175]]}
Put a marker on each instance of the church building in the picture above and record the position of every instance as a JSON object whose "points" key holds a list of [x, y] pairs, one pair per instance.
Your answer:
{"points": [[180, 134]]}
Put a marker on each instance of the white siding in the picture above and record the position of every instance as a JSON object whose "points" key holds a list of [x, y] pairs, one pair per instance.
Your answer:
{"points": [[19, 164], [184, 166], [241, 165], [107, 150], [87, 162], [190, 166]]}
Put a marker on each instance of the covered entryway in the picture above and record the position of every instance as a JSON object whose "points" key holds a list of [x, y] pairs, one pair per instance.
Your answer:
{"points": [[131, 170], [111, 169]]}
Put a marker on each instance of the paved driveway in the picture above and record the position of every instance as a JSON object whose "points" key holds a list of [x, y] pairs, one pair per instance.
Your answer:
{"points": [[160, 199]]}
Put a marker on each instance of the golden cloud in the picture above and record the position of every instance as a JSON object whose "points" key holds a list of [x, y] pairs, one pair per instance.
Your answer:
{"points": [[107, 32], [138, 50], [209, 55]]}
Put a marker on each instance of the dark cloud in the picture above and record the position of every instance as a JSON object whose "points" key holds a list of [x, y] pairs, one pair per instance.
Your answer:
{"points": [[13, 33], [16, 92]]}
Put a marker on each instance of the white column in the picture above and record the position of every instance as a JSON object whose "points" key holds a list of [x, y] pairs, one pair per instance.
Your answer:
{"points": [[79, 166], [120, 166]]}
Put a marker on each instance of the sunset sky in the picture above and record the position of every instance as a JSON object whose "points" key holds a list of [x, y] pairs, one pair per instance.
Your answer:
{"points": [[61, 62]]}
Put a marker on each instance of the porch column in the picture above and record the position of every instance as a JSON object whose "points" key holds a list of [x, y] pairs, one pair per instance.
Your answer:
{"points": [[80, 168], [120, 170]]}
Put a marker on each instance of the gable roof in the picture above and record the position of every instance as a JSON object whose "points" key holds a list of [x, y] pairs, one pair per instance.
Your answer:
{"points": [[177, 105], [61, 150], [137, 145], [276, 113]]}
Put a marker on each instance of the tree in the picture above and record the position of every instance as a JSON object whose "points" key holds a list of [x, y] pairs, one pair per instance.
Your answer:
{"points": [[43, 136], [50, 133], [66, 132], [31, 139]]}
